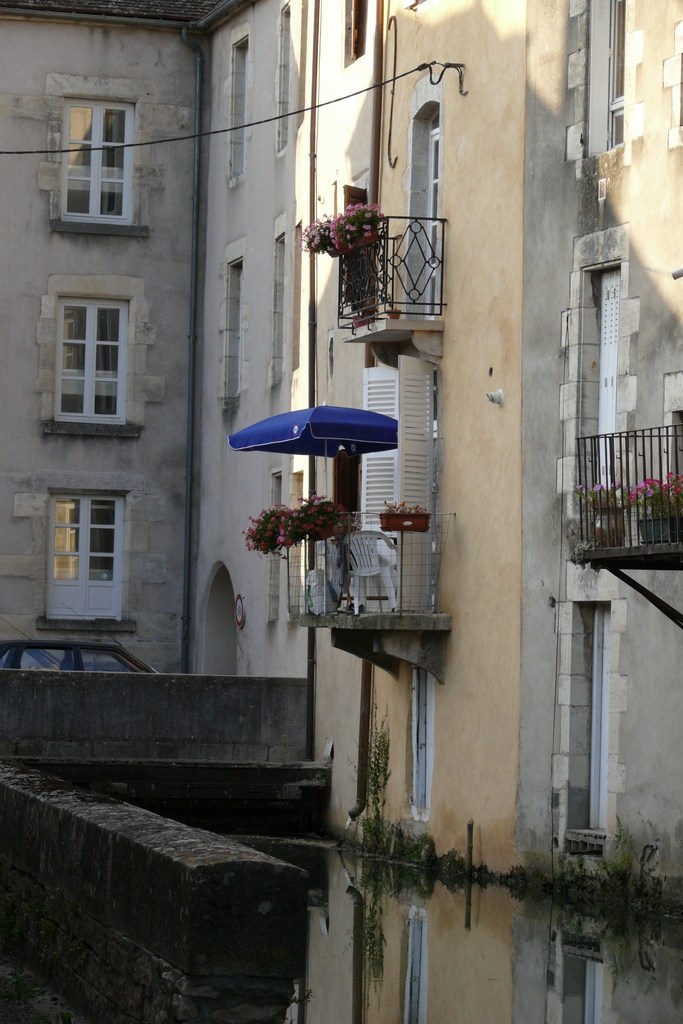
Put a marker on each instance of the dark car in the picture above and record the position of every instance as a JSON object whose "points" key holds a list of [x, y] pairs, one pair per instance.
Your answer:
{"points": [[69, 656]]}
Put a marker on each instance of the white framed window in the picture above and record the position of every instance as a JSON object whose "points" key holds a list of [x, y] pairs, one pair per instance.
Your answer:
{"points": [[98, 170], [85, 557], [607, 68], [283, 74], [91, 361], [233, 333], [238, 137]]}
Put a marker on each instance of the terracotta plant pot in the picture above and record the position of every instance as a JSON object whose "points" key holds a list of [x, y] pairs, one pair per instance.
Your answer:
{"points": [[405, 522], [394, 314], [609, 529], [325, 532], [362, 321]]}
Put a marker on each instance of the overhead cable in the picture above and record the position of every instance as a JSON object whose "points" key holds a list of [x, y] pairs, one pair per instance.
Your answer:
{"points": [[240, 127]]}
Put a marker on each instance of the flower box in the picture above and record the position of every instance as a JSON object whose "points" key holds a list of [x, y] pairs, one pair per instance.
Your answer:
{"points": [[404, 522], [661, 531], [341, 250]]}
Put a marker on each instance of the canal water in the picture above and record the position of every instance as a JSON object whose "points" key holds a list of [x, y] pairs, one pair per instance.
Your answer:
{"points": [[392, 947], [380, 945]]}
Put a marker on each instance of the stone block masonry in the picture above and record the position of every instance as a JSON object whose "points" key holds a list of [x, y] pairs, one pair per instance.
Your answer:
{"points": [[201, 902], [193, 717]]}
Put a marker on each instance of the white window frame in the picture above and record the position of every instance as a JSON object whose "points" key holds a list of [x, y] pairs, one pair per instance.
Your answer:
{"points": [[89, 415], [279, 280], [284, 77], [234, 329], [77, 599], [239, 105], [98, 108]]}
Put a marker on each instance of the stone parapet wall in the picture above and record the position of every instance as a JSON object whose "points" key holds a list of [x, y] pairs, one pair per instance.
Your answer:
{"points": [[193, 717], [113, 979], [202, 902]]}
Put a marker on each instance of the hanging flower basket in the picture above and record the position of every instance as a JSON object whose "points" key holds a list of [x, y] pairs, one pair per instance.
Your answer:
{"points": [[357, 227], [279, 528]]}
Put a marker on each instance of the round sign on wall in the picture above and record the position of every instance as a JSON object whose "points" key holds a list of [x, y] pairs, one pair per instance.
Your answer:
{"points": [[240, 611]]}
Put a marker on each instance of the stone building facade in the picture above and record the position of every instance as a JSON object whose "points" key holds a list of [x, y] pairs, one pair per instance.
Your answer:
{"points": [[94, 296]]}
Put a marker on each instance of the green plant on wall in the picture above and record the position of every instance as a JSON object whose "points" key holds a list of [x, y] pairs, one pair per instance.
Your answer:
{"points": [[377, 833]]}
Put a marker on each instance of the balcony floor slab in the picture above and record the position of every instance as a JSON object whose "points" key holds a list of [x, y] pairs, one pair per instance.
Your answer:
{"points": [[413, 621], [386, 640]]}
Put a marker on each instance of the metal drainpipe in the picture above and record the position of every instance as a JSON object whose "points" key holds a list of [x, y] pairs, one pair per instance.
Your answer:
{"points": [[312, 343], [373, 195], [192, 349]]}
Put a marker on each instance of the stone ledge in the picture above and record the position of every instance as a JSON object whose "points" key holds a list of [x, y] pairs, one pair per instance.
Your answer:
{"points": [[92, 429], [88, 625], [79, 227]]}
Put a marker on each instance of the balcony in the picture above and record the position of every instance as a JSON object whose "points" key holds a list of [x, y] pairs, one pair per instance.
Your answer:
{"points": [[399, 275], [377, 590], [633, 518]]}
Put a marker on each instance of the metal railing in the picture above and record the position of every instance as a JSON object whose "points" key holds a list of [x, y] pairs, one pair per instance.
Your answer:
{"points": [[362, 568], [401, 271], [631, 488]]}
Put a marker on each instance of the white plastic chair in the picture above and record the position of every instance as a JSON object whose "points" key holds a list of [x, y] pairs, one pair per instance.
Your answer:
{"points": [[368, 563]]}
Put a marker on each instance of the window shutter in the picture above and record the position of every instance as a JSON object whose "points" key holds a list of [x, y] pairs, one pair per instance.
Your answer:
{"points": [[599, 92], [415, 430], [380, 469]]}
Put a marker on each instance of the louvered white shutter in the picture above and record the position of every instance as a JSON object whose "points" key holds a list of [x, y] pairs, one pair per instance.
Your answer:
{"points": [[415, 430], [379, 469]]}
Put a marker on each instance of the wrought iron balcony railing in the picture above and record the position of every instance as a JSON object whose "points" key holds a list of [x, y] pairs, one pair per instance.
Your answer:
{"points": [[363, 568], [631, 494], [402, 271]]}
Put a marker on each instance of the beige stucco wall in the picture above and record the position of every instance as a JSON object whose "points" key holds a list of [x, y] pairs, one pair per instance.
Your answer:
{"points": [[476, 733]]}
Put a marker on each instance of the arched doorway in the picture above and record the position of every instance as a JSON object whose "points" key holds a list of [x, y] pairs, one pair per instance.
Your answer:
{"points": [[220, 631]]}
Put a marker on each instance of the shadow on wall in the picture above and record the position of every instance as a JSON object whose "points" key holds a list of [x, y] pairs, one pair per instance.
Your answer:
{"points": [[220, 631]]}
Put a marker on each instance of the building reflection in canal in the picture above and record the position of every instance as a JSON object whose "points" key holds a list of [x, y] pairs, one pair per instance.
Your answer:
{"points": [[386, 949]]}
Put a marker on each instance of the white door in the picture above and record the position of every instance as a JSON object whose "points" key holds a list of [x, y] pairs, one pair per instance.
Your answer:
{"points": [[423, 742], [600, 717], [379, 469], [609, 352]]}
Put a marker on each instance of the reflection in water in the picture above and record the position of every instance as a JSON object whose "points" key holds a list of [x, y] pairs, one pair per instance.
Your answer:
{"points": [[417, 976], [386, 947]]}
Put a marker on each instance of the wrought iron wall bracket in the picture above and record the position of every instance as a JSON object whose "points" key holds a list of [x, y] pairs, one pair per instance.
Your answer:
{"points": [[460, 68], [662, 606]]}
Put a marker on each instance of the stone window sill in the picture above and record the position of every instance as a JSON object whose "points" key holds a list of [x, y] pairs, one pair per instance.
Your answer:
{"points": [[87, 625], [79, 227], [92, 429]]}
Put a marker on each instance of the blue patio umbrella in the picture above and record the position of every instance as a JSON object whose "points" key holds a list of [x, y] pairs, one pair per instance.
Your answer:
{"points": [[323, 430]]}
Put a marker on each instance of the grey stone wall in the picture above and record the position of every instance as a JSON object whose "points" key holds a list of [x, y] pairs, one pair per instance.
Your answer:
{"points": [[96, 714]]}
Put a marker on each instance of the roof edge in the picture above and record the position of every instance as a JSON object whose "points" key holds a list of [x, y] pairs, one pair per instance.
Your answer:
{"points": [[90, 19]]}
